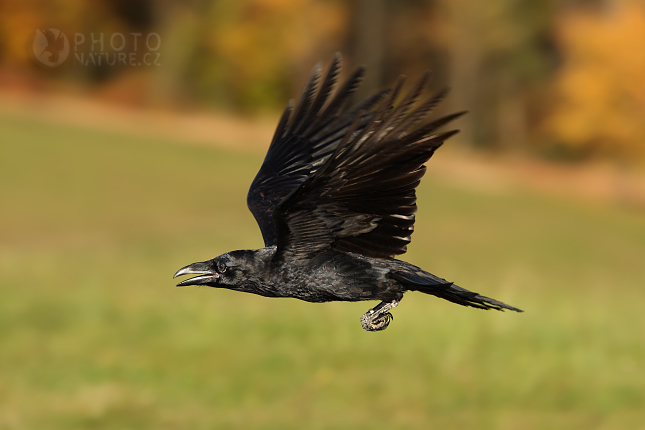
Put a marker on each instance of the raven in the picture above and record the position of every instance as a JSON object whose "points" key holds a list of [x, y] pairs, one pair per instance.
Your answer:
{"points": [[335, 201]]}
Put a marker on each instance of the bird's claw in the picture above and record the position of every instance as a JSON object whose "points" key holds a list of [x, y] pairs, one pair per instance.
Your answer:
{"points": [[378, 322], [379, 318]]}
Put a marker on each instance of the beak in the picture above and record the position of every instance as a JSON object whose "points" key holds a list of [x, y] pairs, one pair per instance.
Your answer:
{"points": [[203, 268]]}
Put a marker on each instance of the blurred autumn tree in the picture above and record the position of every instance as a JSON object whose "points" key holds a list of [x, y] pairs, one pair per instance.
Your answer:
{"points": [[252, 54], [20, 19], [499, 53], [599, 91], [533, 74]]}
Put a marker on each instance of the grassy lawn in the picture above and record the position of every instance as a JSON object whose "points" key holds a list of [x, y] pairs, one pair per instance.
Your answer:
{"points": [[94, 335]]}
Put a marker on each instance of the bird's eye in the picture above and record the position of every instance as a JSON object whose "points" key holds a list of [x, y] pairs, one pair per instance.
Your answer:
{"points": [[221, 267]]}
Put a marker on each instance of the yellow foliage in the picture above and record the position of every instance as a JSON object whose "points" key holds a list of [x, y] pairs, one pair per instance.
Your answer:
{"points": [[600, 90], [263, 41]]}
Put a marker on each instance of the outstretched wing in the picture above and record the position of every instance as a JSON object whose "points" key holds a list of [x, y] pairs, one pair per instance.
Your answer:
{"points": [[305, 137], [363, 198]]}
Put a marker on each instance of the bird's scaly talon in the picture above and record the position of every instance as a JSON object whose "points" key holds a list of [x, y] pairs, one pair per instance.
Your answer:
{"points": [[378, 318]]}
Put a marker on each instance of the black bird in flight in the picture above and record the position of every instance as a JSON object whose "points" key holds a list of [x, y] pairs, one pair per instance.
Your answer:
{"points": [[335, 201]]}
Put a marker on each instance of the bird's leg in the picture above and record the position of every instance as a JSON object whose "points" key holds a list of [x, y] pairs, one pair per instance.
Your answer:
{"points": [[378, 318]]}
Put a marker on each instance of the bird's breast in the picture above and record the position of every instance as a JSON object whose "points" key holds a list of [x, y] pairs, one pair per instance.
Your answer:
{"points": [[334, 278]]}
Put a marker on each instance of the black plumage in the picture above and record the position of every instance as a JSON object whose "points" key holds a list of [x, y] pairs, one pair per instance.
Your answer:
{"points": [[335, 201]]}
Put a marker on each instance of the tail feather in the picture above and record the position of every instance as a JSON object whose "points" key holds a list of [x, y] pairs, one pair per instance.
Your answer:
{"points": [[415, 279], [456, 294]]}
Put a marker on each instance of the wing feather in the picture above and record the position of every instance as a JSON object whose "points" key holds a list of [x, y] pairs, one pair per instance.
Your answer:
{"points": [[362, 199], [305, 137]]}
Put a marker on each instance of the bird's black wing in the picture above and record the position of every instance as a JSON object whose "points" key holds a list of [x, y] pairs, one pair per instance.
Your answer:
{"points": [[363, 198], [305, 137]]}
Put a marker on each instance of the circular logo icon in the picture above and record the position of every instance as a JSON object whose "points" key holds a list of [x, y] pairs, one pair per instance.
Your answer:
{"points": [[50, 47]]}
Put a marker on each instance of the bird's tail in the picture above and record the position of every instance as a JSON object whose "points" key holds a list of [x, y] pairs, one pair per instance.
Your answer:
{"points": [[415, 279]]}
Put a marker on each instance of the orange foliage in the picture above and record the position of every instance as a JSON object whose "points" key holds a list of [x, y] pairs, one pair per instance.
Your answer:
{"points": [[19, 21], [600, 90]]}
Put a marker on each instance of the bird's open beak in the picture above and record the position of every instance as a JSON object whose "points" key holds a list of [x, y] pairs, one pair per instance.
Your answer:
{"points": [[207, 275]]}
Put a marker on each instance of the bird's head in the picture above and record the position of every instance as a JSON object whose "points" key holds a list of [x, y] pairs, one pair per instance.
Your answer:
{"points": [[226, 271]]}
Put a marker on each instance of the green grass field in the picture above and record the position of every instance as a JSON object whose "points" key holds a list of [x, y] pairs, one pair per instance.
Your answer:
{"points": [[94, 335]]}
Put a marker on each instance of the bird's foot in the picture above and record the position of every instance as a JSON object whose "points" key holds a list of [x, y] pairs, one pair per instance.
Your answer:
{"points": [[378, 318]]}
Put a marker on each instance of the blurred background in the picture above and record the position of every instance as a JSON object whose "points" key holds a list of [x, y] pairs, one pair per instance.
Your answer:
{"points": [[131, 130]]}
